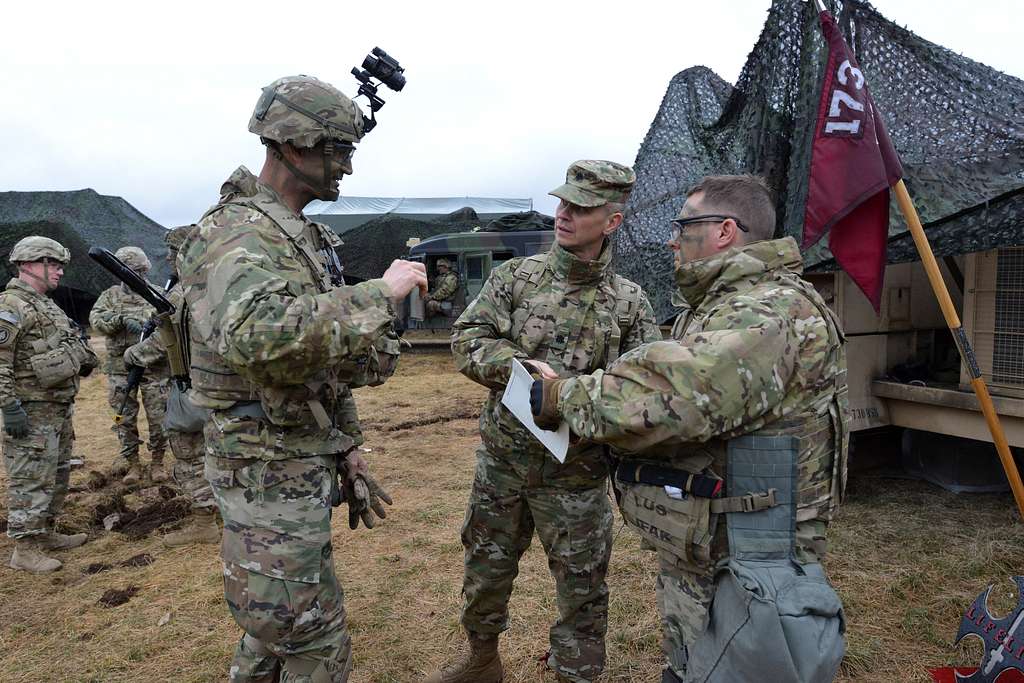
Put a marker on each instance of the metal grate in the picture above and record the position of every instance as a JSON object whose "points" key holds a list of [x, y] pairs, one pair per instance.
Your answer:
{"points": [[1008, 338]]}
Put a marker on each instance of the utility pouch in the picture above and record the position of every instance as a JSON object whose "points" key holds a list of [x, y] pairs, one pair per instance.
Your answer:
{"points": [[55, 366], [681, 527], [376, 366], [772, 618], [182, 414]]}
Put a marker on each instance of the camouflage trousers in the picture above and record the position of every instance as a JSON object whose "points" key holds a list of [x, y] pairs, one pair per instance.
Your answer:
{"points": [[279, 579], [685, 596], [38, 469], [154, 399], [575, 528], [189, 449]]}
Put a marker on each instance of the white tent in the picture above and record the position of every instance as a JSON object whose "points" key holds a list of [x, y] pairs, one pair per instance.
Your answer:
{"points": [[349, 212]]}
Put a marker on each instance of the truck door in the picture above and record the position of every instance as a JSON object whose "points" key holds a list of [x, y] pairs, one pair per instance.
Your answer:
{"points": [[478, 267]]}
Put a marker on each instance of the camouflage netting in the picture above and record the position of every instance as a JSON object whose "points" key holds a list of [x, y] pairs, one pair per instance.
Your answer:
{"points": [[956, 124], [79, 220]]}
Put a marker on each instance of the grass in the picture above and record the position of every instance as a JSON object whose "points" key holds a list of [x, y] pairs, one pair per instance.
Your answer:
{"points": [[906, 557]]}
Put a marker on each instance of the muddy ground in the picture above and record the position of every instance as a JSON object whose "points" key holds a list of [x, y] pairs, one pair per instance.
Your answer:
{"points": [[907, 559]]}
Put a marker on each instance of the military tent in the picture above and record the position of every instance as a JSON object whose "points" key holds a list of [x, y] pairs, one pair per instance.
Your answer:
{"points": [[81, 219], [956, 124]]}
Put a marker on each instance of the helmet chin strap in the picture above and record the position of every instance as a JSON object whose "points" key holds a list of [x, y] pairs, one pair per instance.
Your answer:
{"points": [[320, 188], [44, 280]]}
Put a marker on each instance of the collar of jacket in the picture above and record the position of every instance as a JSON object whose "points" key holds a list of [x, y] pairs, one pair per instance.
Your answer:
{"points": [[736, 270], [564, 264], [23, 287], [243, 183]]}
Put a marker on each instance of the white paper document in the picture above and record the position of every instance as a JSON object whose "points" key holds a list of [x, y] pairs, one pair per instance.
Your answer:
{"points": [[517, 399]]}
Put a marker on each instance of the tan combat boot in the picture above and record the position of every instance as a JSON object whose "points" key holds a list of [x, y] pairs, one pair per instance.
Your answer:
{"points": [[134, 474], [156, 469], [203, 529], [55, 541], [28, 557], [479, 664]]}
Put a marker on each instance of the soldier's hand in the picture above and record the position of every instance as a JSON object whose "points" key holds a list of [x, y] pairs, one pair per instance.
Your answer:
{"points": [[15, 420], [133, 326], [403, 276], [543, 370], [544, 403], [363, 494]]}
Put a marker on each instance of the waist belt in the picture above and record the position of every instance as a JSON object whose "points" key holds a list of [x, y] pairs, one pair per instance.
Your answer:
{"points": [[630, 472]]}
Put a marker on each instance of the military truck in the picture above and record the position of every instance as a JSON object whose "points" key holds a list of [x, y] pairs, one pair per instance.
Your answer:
{"points": [[474, 255]]}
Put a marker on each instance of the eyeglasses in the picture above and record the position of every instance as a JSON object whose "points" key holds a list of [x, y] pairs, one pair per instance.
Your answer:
{"points": [[680, 223], [339, 149]]}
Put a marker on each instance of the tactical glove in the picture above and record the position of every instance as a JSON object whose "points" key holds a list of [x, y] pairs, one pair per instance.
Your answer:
{"points": [[544, 403], [133, 326], [364, 495], [15, 420]]}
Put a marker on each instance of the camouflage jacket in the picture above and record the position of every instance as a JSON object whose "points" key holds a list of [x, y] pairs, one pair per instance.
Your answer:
{"points": [[569, 314], [444, 287], [108, 315], [266, 325], [761, 351], [31, 326]]}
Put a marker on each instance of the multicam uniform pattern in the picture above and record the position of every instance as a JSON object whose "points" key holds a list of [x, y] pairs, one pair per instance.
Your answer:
{"points": [[108, 315], [270, 339], [761, 354], [444, 287], [568, 317], [188, 447], [38, 465]]}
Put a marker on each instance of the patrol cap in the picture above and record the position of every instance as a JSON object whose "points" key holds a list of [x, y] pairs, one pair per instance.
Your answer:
{"points": [[36, 248], [134, 258], [592, 182]]}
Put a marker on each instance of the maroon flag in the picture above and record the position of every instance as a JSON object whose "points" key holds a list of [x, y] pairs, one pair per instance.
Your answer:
{"points": [[853, 165]]}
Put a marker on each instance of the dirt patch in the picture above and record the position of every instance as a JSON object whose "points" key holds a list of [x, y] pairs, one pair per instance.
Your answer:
{"points": [[115, 597], [470, 412], [97, 567], [137, 524], [140, 560], [95, 480], [107, 504]]}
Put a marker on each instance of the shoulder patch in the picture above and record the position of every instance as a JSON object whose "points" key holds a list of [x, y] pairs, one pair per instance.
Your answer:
{"points": [[10, 317], [8, 333]]}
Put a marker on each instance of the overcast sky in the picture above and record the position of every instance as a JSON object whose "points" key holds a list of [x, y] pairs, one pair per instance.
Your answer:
{"points": [[150, 101]]}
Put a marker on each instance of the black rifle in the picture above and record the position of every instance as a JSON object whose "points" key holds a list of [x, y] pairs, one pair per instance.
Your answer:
{"points": [[161, 321]]}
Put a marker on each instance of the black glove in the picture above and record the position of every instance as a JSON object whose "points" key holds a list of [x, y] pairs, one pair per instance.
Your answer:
{"points": [[15, 420], [133, 326]]}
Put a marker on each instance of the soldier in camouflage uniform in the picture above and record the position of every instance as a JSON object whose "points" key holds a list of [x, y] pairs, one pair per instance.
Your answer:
{"points": [[41, 359], [275, 344], [119, 314], [562, 313], [443, 289], [187, 446], [762, 354]]}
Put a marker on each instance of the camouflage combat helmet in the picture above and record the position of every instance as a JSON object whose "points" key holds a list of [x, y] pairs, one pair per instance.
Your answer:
{"points": [[175, 237], [444, 262], [134, 258], [36, 248], [302, 111]]}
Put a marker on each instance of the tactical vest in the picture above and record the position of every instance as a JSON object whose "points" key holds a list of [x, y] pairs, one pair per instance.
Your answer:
{"points": [[220, 387], [57, 357], [684, 526], [527, 277]]}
